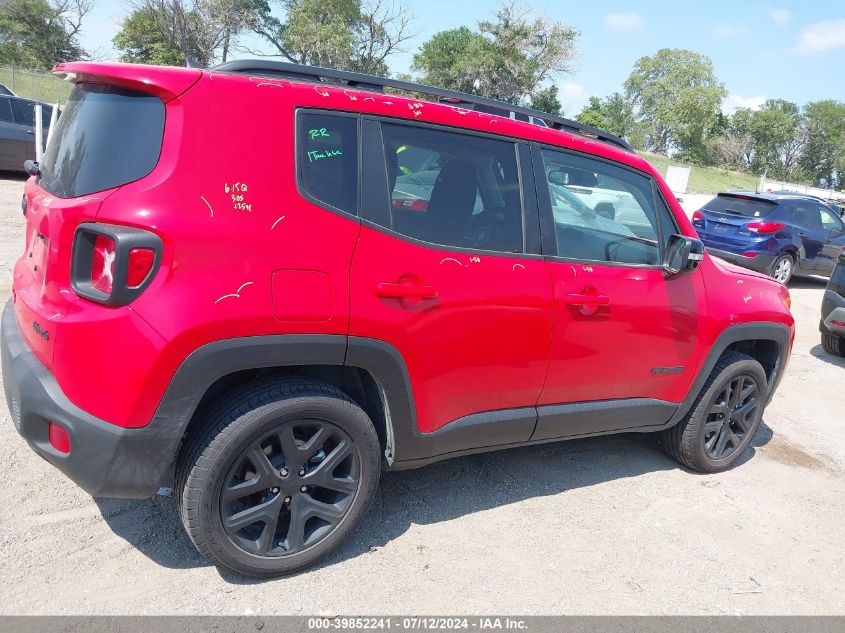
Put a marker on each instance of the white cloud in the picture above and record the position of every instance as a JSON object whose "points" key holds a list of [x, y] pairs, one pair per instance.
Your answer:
{"points": [[731, 31], [732, 102], [780, 16], [821, 37], [572, 98], [622, 21]]}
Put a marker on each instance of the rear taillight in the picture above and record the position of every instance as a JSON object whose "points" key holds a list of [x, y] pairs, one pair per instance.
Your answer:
{"points": [[113, 264], [411, 204], [764, 228], [697, 217], [102, 264], [141, 262]]}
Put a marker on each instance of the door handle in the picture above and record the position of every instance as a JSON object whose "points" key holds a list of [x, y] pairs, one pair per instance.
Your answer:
{"points": [[404, 291], [802, 234], [577, 299], [30, 132]]}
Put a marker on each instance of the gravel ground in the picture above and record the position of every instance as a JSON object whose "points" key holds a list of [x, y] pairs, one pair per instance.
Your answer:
{"points": [[606, 525]]}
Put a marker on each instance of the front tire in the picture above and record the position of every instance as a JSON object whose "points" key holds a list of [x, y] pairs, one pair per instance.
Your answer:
{"points": [[278, 477], [833, 344], [724, 417]]}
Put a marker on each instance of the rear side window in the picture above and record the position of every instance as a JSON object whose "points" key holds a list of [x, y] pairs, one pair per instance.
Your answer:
{"points": [[24, 112], [327, 158], [737, 205], [105, 137], [453, 189]]}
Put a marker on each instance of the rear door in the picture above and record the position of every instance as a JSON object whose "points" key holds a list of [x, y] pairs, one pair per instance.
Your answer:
{"points": [[626, 337], [447, 270], [24, 112], [13, 138], [811, 234]]}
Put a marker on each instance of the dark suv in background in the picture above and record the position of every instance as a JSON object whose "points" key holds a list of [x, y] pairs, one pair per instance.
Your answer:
{"points": [[773, 233], [17, 130], [832, 324]]}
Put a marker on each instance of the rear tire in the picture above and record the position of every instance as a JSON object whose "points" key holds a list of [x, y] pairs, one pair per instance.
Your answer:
{"points": [[277, 477], [724, 417], [833, 344], [782, 268]]}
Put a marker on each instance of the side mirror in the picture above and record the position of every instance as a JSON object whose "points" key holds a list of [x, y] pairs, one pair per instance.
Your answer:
{"points": [[683, 255]]}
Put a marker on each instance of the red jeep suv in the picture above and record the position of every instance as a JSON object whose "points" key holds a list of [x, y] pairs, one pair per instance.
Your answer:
{"points": [[264, 283]]}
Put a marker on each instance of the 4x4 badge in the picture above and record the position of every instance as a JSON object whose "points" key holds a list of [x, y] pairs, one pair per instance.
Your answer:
{"points": [[40, 331]]}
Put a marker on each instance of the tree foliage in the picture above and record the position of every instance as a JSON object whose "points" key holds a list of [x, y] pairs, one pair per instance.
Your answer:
{"points": [[823, 156], [506, 58], [38, 34], [546, 100], [676, 93], [181, 31], [342, 34]]}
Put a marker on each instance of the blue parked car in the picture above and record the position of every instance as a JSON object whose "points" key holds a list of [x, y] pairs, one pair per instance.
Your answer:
{"points": [[776, 234]]}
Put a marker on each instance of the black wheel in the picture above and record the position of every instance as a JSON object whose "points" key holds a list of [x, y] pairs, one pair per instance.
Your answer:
{"points": [[782, 268], [833, 344], [723, 418], [278, 477]]}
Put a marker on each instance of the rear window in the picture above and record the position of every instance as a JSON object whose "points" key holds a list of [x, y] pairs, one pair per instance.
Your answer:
{"points": [[749, 207], [105, 137]]}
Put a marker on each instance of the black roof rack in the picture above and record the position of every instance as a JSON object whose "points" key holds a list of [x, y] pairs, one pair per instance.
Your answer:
{"points": [[362, 81]]}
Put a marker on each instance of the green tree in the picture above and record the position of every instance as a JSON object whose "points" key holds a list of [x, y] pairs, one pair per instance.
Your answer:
{"points": [[676, 93], [775, 133], [594, 114], [506, 58], [341, 34], [546, 100], [38, 34], [181, 31], [823, 156], [141, 41]]}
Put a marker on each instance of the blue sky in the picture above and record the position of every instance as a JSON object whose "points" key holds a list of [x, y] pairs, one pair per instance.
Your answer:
{"points": [[789, 50]]}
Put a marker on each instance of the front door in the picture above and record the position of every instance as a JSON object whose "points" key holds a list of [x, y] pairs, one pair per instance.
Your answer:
{"points": [[442, 273], [834, 240], [626, 336]]}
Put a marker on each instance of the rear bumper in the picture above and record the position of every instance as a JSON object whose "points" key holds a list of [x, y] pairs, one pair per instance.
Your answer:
{"points": [[761, 263], [105, 459], [833, 309]]}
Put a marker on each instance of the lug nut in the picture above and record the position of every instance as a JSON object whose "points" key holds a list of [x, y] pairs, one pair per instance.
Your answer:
{"points": [[303, 489], [274, 490], [287, 499], [301, 472], [283, 472]]}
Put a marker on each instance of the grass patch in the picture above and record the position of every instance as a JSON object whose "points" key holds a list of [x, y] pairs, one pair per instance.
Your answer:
{"points": [[708, 180], [35, 85]]}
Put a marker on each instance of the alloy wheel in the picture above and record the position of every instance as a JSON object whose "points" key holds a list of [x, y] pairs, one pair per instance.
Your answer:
{"points": [[783, 270], [290, 488], [731, 417]]}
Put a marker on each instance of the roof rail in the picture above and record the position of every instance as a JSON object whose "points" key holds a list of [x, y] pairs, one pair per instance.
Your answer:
{"points": [[362, 81]]}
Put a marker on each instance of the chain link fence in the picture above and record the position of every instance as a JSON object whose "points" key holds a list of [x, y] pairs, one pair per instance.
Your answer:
{"points": [[34, 84]]}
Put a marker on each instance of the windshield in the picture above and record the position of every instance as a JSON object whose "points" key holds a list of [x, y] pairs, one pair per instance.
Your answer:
{"points": [[105, 137]]}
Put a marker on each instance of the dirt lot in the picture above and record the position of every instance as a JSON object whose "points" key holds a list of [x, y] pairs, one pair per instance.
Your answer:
{"points": [[606, 525]]}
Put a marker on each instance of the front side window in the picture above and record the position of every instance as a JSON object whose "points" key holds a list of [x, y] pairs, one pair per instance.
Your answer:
{"points": [[327, 149], [601, 212], [830, 221], [453, 189]]}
